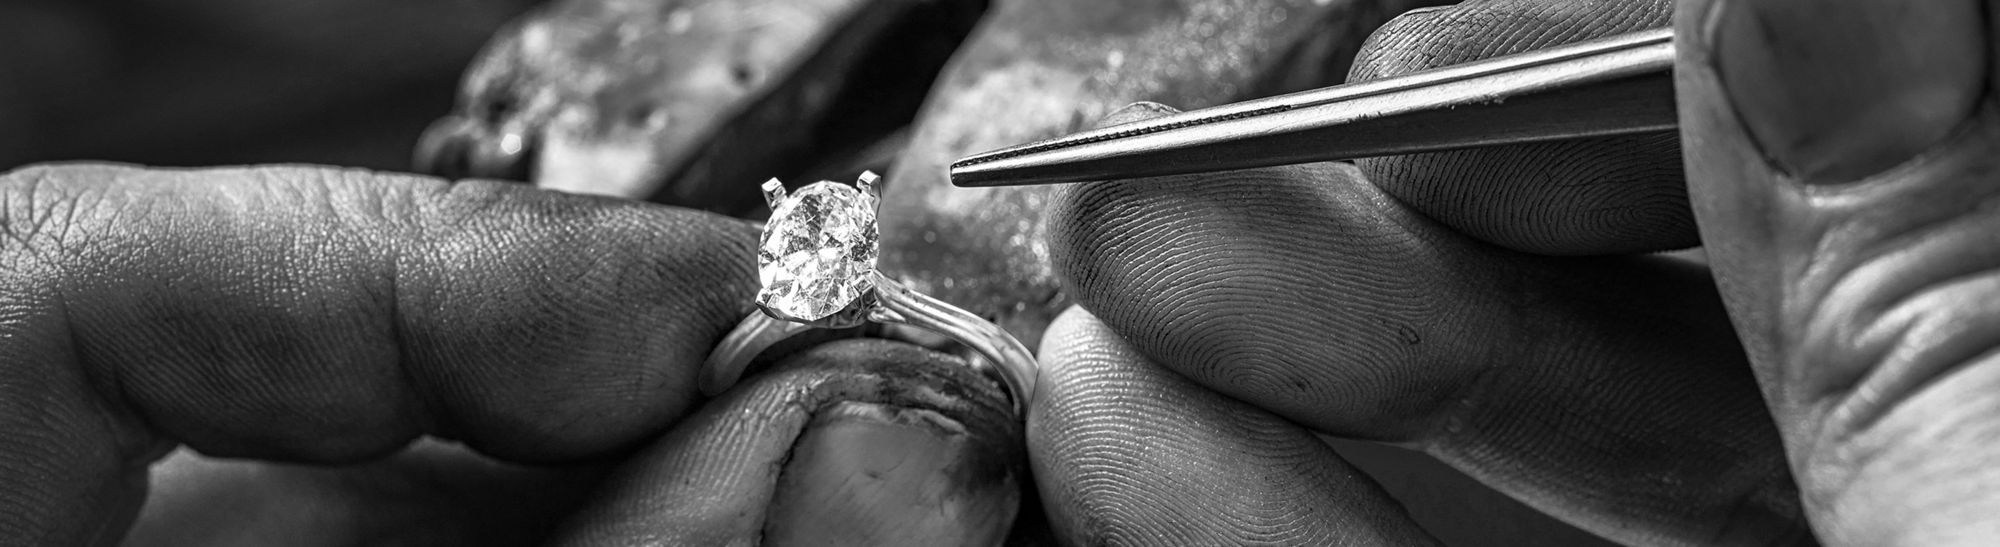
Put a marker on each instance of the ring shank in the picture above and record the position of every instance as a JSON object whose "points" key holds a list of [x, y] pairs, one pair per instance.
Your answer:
{"points": [[1014, 364], [756, 333], [1005, 357]]}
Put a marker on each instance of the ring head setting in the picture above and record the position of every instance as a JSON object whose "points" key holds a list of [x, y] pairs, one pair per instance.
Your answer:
{"points": [[816, 260]]}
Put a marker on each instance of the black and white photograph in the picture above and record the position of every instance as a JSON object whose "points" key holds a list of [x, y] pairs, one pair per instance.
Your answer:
{"points": [[1012, 273]]}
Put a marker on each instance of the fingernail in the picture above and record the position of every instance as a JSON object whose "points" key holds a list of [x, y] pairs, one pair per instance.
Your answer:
{"points": [[1837, 91], [1138, 111], [870, 474]]}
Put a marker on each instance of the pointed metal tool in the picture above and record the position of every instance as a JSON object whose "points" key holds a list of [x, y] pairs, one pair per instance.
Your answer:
{"points": [[1614, 86]]}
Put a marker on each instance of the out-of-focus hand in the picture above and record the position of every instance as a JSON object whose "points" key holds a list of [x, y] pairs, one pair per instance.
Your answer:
{"points": [[321, 316], [1492, 308]]}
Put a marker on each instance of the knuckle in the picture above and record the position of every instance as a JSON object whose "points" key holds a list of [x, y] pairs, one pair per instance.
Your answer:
{"points": [[1897, 321]]}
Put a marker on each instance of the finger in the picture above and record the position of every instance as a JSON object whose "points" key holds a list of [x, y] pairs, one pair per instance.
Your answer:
{"points": [[1130, 454], [1841, 157], [323, 315], [860, 442], [1582, 197], [1126, 451], [1596, 389], [1454, 507]]}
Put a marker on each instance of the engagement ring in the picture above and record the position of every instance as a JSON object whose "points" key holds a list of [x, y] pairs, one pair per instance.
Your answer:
{"points": [[816, 261]]}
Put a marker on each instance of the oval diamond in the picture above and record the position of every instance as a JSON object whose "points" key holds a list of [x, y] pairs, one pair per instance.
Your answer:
{"points": [[817, 252]]}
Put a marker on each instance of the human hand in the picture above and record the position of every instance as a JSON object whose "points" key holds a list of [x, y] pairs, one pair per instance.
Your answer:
{"points": [[324, 316], [1487, 307], [1841, 161]]}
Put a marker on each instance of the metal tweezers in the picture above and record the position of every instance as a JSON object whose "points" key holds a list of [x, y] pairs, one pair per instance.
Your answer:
{"points": [[1614, 86]]}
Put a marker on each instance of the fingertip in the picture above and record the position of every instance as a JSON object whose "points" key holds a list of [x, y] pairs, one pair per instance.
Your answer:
{"points": [[1069, 329], [1079, 209], [1126, 452], [1135, 112], [1832, 93], [844, 443]]}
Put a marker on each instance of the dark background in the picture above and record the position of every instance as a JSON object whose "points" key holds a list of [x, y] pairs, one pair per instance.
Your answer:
{"points": [[215, 82]]}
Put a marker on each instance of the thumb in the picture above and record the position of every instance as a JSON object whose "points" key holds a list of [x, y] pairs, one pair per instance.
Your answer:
{"points": [[1834, 91], [1779, 93], [1840, 163], [853, 442]]}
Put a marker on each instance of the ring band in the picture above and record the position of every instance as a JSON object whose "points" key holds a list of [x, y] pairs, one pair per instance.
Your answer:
{"points": [[817, 269]]}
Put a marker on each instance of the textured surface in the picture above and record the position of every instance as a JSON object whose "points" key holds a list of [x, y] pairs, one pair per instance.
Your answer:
{"points": [[1309, 292], [1584, 197], [1843, 167], [1132, 454], [150, 307], [693, 102], [711, 481]]}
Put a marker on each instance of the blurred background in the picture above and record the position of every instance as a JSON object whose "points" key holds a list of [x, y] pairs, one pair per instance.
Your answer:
{"points": [[213, 82]]}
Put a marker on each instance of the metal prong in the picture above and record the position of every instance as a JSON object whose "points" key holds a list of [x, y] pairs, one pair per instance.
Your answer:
{"points": [[774, 193], [867, 183]]}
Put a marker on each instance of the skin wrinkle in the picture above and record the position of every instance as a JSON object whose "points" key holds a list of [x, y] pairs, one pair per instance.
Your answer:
{"points": [[42, 294], [22, 204], [387, 215], [1882, 265], [1801, 251], [1921, 482], [1931, 333], [415, 390], [47, 387], [280, 305]]}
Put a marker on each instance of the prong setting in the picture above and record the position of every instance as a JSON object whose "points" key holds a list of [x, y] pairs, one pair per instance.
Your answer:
{"points": [[870, 190], [774, 193], [816, 263]]}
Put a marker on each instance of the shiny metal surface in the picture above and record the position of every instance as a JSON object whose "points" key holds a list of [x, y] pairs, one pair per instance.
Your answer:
{"points": [[726, 363], [1008, 359], [1005, 358], [1614, 86]]}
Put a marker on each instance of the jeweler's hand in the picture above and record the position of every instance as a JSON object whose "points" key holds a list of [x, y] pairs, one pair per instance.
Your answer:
{"points": [[1490, 308], [1844, 164], [322, 316]]}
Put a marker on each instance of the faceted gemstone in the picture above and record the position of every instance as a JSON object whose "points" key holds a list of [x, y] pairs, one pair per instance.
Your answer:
{"points": [[817, 252]]}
